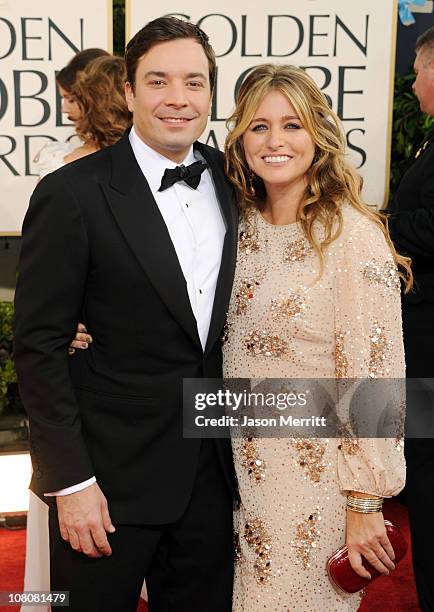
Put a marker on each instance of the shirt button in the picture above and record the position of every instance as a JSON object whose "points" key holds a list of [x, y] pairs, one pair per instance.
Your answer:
{"points": [[200, 291]]}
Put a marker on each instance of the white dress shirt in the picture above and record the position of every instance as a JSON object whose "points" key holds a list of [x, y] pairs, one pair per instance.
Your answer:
{"points": [[197, 229]]}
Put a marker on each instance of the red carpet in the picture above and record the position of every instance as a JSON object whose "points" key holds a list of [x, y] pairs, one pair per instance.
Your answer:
{"points": [[396, 592], [12, 548]]}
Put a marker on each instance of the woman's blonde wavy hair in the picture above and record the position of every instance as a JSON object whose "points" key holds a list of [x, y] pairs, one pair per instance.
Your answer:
{"points": [[331, 181], [99, 92]]}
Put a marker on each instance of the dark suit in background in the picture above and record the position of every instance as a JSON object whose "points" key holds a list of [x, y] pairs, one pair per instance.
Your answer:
{"points": [[96, 249], [412, 230]]}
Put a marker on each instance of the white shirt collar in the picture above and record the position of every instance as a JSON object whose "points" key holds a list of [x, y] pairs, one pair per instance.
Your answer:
{"points": [[153, 164]]}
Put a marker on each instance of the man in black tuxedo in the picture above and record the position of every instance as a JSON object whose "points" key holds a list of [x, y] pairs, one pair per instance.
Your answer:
{"points": [[412, 229], [138, 241]]}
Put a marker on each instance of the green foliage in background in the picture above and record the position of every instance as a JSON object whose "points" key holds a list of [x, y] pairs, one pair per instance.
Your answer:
{"points": [[410, 127], [9, 399], [118, 27]]}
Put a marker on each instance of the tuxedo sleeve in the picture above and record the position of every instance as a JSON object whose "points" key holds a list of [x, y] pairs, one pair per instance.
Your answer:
{"points": [[48, 302], [412, 231]]}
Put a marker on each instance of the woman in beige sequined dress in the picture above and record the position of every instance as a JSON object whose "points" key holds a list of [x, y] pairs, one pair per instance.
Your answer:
{"points": [[315, 296]]}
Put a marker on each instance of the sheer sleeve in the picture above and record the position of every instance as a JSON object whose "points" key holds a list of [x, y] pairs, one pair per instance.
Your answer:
{"points": [[51, 157], [369, 345]]}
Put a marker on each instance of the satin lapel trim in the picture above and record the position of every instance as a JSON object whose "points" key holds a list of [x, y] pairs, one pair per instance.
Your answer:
{"points": [[227, 267], [145, 232]]}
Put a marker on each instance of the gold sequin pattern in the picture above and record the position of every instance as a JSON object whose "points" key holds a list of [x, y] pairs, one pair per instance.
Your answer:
{"points": [[340, 356], [380, 347], [348, 443], [259, 343], [399, 443], [257, 538], [384, 273], [289, 306], [311, 456], [306, 539], [297, 250], [226, 331], [245, 293], [237, 547], [248, 243], [254, 465]]}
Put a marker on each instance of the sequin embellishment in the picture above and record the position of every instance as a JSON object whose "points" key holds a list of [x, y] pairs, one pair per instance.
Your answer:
{"points": [[382, 274], [248, 242], [306, 539], [349, 444], [257, 538], [261, 343], [380, 346], [340, 356], [310, 457], [297, 250], [399, 444], [245, 293], [290, 306], [251, 461], [226, 330], [237, 547]]}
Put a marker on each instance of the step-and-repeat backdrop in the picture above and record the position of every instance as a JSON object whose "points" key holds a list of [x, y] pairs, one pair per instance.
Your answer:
{"points": [[347, 47], [37, 38]]}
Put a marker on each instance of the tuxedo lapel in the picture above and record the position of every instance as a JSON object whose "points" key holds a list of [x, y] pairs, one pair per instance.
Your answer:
{"points": [[225, 279], [140, 221]]}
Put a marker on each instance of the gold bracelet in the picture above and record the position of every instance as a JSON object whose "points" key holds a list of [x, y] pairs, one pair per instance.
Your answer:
{"points": [[366, 505], [364, 511], [357, 501]]}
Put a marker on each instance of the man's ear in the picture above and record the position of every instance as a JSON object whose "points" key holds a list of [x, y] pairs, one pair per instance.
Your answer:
{"points": [[129, 96]]}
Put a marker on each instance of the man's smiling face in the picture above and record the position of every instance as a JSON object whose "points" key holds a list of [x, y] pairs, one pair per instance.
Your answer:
{"points": [[171, 97]]}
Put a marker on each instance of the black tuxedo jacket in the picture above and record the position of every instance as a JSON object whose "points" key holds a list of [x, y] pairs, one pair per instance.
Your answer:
{"points": [[95, 248], [412, 223]]}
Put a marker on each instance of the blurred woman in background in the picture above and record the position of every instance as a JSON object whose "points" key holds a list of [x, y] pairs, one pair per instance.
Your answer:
{"points": [[50, 157], [97, 105]]}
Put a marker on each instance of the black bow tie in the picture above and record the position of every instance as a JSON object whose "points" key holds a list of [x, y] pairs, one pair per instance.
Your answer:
{"points": [[189, 174]]}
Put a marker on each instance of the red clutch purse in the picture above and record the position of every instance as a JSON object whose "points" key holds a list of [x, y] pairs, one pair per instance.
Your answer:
{"points": [[342, 575]]}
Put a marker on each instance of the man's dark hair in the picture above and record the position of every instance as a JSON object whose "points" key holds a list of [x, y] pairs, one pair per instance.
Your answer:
{"points": [[161, 30], [426, 40], [68, 75]]}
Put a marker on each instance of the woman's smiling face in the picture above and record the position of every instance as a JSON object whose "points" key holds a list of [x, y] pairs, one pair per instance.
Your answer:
{"points": [[276, 145]]}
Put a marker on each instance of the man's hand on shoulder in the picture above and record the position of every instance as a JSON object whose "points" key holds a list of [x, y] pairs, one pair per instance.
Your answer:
{"points": [[84, 521]]}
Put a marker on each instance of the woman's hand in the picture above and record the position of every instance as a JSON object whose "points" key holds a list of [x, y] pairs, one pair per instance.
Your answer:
{"points": [[367, 537], [82, 339]]}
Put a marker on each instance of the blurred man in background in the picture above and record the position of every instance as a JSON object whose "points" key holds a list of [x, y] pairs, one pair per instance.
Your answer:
{"points": [[412, 229]]}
